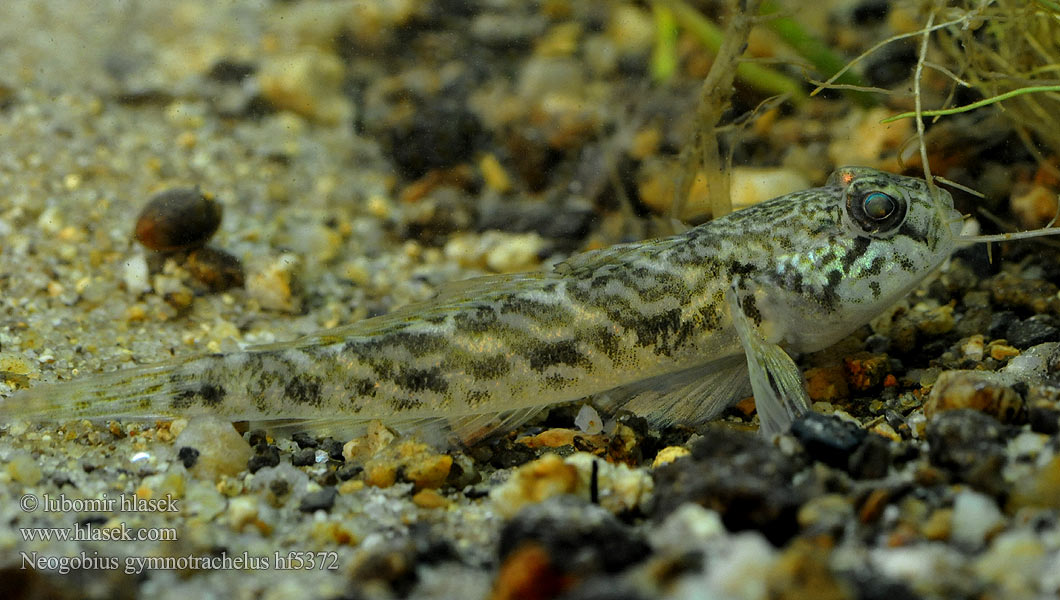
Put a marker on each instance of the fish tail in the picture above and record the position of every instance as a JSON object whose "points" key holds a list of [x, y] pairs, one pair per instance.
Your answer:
{"points": [[150, 391]]}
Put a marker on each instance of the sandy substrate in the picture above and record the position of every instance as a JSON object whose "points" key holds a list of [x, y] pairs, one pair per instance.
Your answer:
{"points": [[295, 117]]}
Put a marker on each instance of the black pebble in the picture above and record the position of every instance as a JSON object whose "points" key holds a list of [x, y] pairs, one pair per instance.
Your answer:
{"points": [[971, 446], [265, 456], [304, 440], [741, 476], [279, 487], [320, 500], [507, 455], [1043, 409], [348, 471], [1000, 323], [828, 439], [872, 458], [891, 64], [1031, 332], [333, 447], [441, 132], [256, 437], [579, 537], [188, 456], [231, 71], [868, 12], [304, 457]]}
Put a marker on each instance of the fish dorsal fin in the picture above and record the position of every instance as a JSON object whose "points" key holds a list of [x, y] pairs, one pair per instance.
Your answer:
{"points": [[612, 255], [448, 294]]}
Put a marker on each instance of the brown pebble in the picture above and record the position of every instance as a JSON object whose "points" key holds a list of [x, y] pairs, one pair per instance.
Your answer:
{"points": [[529, 574], [826, 384], [427, 498], [865, 371], [177, 219], [977, 390], [214, 268]]}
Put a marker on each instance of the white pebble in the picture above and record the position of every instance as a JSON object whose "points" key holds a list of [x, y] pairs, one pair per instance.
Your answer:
{"points": [[974, 516], [135, 275], [588, 420]]}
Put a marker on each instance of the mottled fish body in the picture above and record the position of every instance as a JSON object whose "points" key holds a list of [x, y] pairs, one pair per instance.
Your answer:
{"points": [[679, 326]]}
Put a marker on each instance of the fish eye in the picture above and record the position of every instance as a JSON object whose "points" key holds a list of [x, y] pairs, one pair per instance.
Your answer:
{"points": [[878, 206], [875, 212]]}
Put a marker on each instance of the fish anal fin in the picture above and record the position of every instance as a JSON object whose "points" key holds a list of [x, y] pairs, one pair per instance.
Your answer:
{"points": [[474, 428]]}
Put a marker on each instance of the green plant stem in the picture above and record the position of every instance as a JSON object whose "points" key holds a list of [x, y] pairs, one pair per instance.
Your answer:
{"points": [[664, 55], [817, 52], [757, 76], [974, 105]]}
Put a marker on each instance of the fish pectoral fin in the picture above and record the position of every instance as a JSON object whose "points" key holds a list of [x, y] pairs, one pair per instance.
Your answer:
{"points": [[780, 395], [688, 397]]}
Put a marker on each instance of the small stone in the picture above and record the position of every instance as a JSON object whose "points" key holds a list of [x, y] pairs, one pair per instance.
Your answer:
{"points": [[827, 438], [222, 451], [429, 472], [304, 457], [983, 391], [266, 456], [1000, 322], [803, 571], [1043, 409], [1034, 205], [275, 286], [1010, 291], [1041, 490], [433, 133], [1031, 332], [826, 514], [215, 269], [178, 218], [579, 537], [529, 572], [493, 174], [872, 459], [534, 482], [969, 445], [304, 440], [429, 498], [738, 474], [865, 371], [938, 526], [242, 511], [974, 517], [1016, 562], [257, 437], [668, 455], [24, 469], [135, 274], [614, 486], [588, 420], [308, 83], [826, 384], [380, 474], [348, 471], [1002, 352], [322, 499], [188, 456]]}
